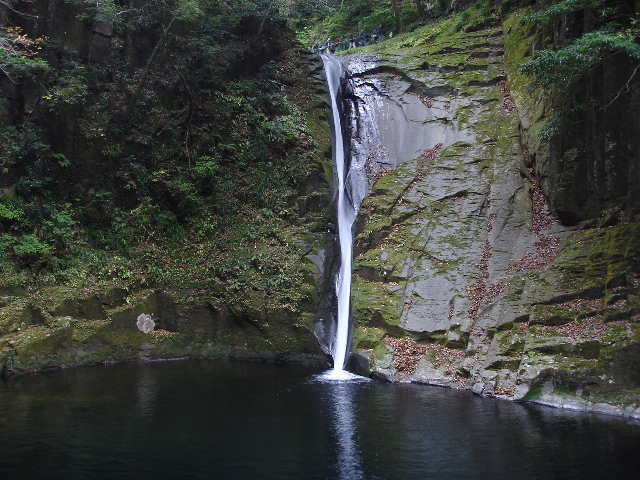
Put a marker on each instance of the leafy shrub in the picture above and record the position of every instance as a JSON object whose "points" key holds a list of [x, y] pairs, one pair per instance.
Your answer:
{"points": [[61, 228], [18, 144], [10, 209], [478, 15], [6, 241], [70, 90], [30, 249], [206, 168], [18, 54]]}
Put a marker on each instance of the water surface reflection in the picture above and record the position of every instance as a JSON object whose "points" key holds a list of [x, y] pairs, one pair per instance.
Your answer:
{"points": [[204, 420], [341, 401]]}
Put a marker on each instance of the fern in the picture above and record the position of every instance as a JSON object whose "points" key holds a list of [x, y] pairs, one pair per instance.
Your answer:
{"points": [[562, 8], [567, 65]]}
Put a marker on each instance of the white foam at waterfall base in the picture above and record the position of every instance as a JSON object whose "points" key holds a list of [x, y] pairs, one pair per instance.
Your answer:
{"points": [[346, 216], [340, 375]]}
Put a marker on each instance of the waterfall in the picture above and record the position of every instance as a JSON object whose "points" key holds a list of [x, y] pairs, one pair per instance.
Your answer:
{"points": [[346, 214]]}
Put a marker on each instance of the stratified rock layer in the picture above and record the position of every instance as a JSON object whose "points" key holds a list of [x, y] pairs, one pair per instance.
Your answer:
{"points": [[457, 249]]}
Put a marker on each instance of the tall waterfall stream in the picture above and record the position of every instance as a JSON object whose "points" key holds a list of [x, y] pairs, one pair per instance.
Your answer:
{"points": [[346, 214]]}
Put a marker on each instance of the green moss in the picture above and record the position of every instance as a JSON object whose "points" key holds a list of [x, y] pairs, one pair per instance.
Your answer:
{"points": [[551, 315], [598, 259], [536, 331], [510, 341], [367, 337], [519, 38], [534, 393], [121, 337], [506, 363], [374, 305]]}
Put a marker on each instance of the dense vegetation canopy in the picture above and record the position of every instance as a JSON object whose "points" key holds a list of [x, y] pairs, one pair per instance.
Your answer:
{"points": [[166, 155]]}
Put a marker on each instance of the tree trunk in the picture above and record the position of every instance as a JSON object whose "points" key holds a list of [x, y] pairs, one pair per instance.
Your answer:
{"points": [[395, 5], [420, 8]]}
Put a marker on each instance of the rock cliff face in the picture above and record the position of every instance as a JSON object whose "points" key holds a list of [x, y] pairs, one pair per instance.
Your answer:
{"points": [[464, 275]]}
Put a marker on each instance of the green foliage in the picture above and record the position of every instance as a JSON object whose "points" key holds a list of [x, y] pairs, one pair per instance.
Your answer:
{"points": [[351, 18], [258, 8], [478, 14], [550, 128], [61, 228], [6, 241], [69, 90], [305, 9], [562, 8], [20, 144], [187, 179], [19, 54], [559, 120], [10, 209], [188, 10], [21, 66], [206, 168], [147, 222], [568, 64], [61, 159], [31, 248], [364, 16], [99, 10]]}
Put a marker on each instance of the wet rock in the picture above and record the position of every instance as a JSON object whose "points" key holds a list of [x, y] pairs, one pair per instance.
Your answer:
{"points": [[427, 373], [359, 364], [89, 308], [145, 323], [160, 305], [113, 297]]}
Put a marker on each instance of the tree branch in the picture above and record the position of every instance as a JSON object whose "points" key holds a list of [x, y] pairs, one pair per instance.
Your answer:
{"points": [[18, 12], [625, 88], [152, 57]]}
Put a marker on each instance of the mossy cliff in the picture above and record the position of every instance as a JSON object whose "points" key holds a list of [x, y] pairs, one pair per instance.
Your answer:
{"points": [[470, 270], [163, 160]]}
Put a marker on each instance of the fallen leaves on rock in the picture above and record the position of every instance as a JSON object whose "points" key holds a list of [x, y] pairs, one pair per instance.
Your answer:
{"points": [[508, 105], [619, 305], [428, 102], [407, 353], [433, 152], [379, 174], [163, 333], [547, 247], [590, 328], [540, 211], [506, 391], [376, 158], [482, 293], [544, 252], [582, 303]]}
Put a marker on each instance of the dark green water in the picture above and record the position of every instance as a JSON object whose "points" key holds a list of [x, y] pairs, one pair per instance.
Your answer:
{"points": [[219, 420]]}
